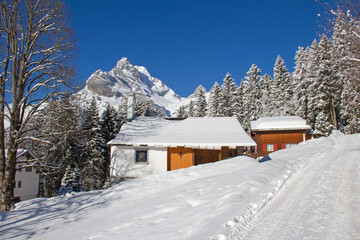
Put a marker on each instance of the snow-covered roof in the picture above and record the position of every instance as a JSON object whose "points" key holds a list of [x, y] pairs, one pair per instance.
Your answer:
{"points": [[279, 123], [200, 133]]}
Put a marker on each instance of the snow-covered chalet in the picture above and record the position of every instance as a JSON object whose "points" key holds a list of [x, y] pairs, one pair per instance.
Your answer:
{"points": [[153, 145], [275, 133]]}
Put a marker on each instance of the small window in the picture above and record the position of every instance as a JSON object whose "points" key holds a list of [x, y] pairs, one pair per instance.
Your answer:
{"points": [[230, 153], [19, 184], [19, 168], [240, 151], [270, 147], [141, 156], [288, 145], [28, 169]]}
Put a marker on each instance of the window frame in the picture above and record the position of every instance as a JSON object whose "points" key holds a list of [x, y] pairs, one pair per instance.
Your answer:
{"points": [[270, 147], [18, 185], [28, 169], [289, 145], [137, 151]]}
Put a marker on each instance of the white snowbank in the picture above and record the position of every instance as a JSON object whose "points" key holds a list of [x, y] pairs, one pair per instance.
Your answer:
{"points": [[212, 200]]}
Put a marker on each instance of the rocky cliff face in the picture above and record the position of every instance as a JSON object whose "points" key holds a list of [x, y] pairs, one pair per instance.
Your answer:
{"points": [[126, 79]]}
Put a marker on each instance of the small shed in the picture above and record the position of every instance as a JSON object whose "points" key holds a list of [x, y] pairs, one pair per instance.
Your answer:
{"points": [[274, 133], [151, 145]]}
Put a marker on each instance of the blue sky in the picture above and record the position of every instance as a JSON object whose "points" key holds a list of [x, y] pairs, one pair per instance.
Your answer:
{"points": [[186, 43]]}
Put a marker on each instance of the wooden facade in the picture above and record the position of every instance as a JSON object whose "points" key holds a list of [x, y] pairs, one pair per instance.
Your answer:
{"points": [[181, 157], [279, 139]]}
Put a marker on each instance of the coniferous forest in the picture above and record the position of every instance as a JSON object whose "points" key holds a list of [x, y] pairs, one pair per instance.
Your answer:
{"points": [[324, 88]]}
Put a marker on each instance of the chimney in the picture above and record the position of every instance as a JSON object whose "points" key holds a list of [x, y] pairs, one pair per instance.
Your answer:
{"points": [[130, 107]]}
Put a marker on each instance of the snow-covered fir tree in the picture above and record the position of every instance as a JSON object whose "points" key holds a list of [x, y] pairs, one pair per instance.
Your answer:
{"points": [[110, 126], [240, 112], [60, 127], [346, 53], [330, 84], [229, 94], [181, 112], [95, 173], [191, 111], [322, 125], [251, 96], [201, 104], [301, 83], [146, 108], [71, 181], [216, 103], [267, 107], [312, 74], [282, 91], [122, 110]]}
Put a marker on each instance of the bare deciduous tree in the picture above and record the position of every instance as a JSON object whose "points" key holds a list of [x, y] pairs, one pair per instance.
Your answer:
{"points": [[36, 60]]}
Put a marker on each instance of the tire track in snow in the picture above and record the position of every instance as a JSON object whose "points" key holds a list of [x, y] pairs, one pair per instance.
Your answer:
{"points": [[252, 224], [314, 204], [241, 225]]}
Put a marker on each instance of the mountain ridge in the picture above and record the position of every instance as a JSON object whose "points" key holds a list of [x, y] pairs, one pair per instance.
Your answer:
{"points": [[125, 79]]}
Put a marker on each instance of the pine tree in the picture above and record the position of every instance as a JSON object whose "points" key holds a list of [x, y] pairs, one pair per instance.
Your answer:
{"points": [[330, 84], [322, 125], [229, 95], [251, 96], [60, 122], [345, 53], [282, 90], [301, 83], [95, 173], [181, 112], [240, 112], [267, 108], [122, 110], [201, 104], [71, 181], [191, 111], [312, 75], [216, 101], [110, 127]]}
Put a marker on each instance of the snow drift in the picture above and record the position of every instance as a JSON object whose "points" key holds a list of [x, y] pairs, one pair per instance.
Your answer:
{"points": [[219, 200]]}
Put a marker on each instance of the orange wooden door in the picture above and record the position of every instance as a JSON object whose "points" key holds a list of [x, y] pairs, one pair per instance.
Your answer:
{"points": [[180, 157]]}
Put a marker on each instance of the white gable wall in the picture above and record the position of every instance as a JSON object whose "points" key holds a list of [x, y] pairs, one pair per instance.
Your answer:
{"points": [[29, 182], [123, 161]]}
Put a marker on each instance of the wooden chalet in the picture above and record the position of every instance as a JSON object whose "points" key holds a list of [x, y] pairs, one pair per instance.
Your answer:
{"points": [[152, 145], [275, 133]]}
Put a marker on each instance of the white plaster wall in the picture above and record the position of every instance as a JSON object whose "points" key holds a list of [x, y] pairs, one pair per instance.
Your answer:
{"points": [[123, 161], [29, 184]]}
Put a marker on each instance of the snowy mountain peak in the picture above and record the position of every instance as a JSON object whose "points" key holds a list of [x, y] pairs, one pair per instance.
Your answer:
{"points": [[143, 70], [123, 62], [126, 79]]}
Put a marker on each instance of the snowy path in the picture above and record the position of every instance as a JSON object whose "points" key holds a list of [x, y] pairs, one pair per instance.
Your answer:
{"points": [[321, 203]]}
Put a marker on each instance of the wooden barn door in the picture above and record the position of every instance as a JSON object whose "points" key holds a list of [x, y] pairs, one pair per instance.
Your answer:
{"points": [[180, 157]]}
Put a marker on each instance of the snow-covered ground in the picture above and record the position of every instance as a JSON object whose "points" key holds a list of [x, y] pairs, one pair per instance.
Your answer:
{"points": [[310, 191]]}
